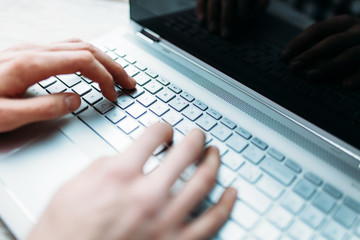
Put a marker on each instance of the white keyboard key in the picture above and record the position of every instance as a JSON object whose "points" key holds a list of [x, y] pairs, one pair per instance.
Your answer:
{"points": [[93, 97], [237, 143], [232, 160], [253, 197], [47, 82], [280, 217], [292, 202], [35, 90], [148, 119], [115, 115], [231, 231], [244, 215], [81, 89], [150, 165], [215, 194], [57, 87], [188, 173], [267, 231], [270, 187], [137, 132], [104, 106], [172, 117], [225, 176], [334, 231], [221, 147], [159, 108], [300, 231], [82, 107], [250, 172], [136, 110], [312, 217], [69, 80], [128, 125]]}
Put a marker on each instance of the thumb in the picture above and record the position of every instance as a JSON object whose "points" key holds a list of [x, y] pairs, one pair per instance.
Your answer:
{"points": [[15, 113]]}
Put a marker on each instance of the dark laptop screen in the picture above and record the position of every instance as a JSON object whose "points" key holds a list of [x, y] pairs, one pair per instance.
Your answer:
{"points": [[252, 58]]}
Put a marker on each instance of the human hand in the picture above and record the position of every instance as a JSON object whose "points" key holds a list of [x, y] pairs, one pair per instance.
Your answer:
{"points": [[229, 16], [328, 51], [113, 199], [23, 66]]}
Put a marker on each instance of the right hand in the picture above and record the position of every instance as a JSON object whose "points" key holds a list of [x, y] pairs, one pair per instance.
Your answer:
{"points": [[113, 199], [227, 17]]}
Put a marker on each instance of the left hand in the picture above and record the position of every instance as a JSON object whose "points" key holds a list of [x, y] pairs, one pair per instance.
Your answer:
{"points": [[328, 51]]}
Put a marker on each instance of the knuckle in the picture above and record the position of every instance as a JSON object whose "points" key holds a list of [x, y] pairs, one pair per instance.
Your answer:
{"points": [[89, 47], [24, 61], [85, 58]]}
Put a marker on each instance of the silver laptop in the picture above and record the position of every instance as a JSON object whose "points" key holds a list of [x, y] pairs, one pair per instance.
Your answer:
{"points": [[288, 147]]}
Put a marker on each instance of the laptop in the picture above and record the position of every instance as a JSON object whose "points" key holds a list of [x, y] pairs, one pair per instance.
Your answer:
{"points": [[290, 147]]}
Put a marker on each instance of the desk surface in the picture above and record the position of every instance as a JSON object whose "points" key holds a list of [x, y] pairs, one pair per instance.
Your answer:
{"points": [[42, 21]]}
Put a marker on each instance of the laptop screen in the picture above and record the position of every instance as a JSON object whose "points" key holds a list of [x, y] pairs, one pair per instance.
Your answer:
{"points": [[252, 58]]}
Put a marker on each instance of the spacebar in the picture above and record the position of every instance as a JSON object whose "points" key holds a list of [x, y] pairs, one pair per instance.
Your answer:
{"points": [[106, 130]]}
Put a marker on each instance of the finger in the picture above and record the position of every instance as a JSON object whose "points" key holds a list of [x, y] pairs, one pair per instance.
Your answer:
{"points": [[118, 73], [197, 188], [352, 81], [201, 10], [34, 66], [326, 48], [228, 17], [179, 157], [18, 112], [210, 223], [316, 33], [144, 146], [214, 15], [338, 67]]}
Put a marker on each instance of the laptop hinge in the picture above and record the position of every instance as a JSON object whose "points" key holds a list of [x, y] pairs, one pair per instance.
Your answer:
{"points": [[149, 35]]}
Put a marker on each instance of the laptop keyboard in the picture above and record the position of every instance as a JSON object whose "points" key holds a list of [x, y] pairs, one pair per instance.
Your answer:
{"points": [[277, 199]]}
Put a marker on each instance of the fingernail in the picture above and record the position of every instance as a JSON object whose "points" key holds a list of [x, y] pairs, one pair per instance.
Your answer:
{"points": [[233, 192], [72, 103], [286, 54], [296, 66], [314, 74]]}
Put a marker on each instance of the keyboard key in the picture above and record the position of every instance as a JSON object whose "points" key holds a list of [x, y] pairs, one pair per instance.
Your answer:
{"points": [[293, 166], [142, 79], [153, 87], [313, 178], [276, 154], [150, 165], [215, 194], [270, 187], [214, 113], [221, 147], [119, 52], [159, 108], [137, 133], [227, 122], [151, 73], [175, 88], [253, 154], [124, 101], [187, 96], [105, 129], [250, 172], [122, 62], [221, 132], [136, 92], [35, 90], [251, 196], [237, 143], [96, 86], [185, 126], [324, 202], [69, 80], [278, 171], [259, 143], [81, 89], [172, 117], [192, 113], [146, 99], [165, 95], [112, 55], [136, 110], [267, 231], [206, 122], [242, 132], [225, 176], [178, 104], [46, 83], [334, 231], [148, 119], [332, 191], [104, 106], [188, 172], [244, 215], [231, 231], [293, 203], [345, 216], [232, 160], [357, 229], [280, 217], [300, 231], [89, 81], [353, 204], [93, 97], [163, 81], [57, 87], [200, 105], [131, 70], [82, 107], [312, 217], [127, 125], [130, 59], [304, 189], [115, 115]]}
